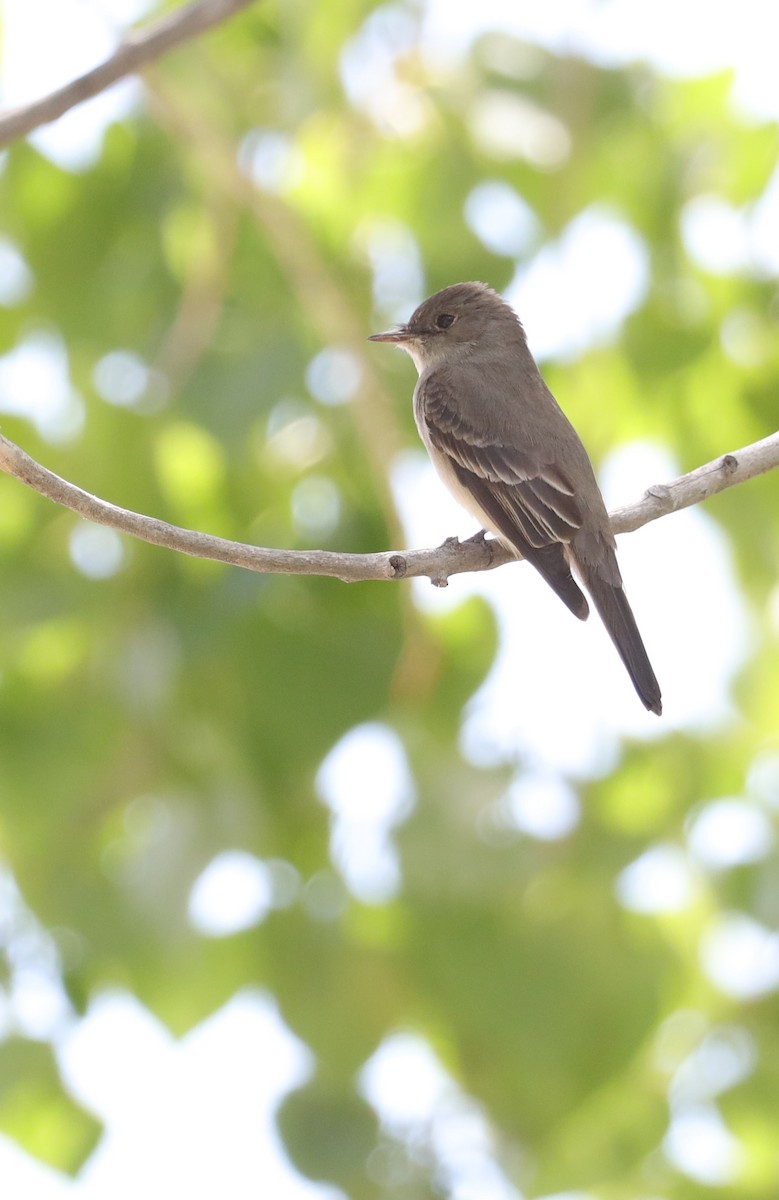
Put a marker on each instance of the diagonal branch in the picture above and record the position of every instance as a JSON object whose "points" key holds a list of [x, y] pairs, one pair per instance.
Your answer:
{"points": [[664, 498], [136, 51], [451, 558]]}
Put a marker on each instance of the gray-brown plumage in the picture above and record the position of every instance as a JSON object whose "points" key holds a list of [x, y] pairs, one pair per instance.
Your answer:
{"points": [[506, 450]]}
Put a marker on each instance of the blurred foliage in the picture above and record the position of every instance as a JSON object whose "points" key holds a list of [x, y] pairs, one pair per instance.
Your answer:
{"points": [[155, 716]]}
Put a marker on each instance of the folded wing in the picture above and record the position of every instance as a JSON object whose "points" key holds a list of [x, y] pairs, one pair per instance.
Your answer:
{"points": [[525, 499]]}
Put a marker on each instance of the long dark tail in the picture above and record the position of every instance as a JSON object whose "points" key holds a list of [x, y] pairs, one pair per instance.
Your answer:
{"points": [[617, 615]]}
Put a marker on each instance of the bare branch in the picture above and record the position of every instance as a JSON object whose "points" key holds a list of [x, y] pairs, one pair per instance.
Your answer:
{"points": [[135, 52], [451, 558], [664, 498]]}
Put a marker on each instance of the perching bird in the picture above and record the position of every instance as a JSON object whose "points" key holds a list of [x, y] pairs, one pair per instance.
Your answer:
{"points": [[508, 453]]}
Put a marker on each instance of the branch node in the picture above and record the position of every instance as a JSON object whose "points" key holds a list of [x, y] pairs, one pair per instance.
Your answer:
{"points": [[398, 565], [440, 581], [729, 463], [659, 491]]}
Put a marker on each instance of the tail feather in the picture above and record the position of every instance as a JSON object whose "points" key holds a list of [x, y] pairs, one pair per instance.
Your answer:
{"points": [[553, 566], [617, 615]]}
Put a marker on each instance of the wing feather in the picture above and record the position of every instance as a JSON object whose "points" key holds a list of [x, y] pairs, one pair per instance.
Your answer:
{"points": [[527, 499], [528, 488]]}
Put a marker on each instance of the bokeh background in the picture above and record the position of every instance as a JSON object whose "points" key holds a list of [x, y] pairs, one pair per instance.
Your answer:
{"points": [[319, 891]]}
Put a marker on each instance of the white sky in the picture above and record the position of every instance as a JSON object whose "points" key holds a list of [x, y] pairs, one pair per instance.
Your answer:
{"points": [[194, 1117]]}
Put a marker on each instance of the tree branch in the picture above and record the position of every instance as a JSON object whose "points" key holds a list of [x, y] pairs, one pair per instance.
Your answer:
{"points": [[136, 51], [451, 558]]}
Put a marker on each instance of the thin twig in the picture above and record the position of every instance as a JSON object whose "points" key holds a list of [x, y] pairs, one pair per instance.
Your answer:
{"points": [[451, 558], [136, 51]]}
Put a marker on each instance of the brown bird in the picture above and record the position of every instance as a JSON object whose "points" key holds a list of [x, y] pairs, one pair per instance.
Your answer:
{"points": [[508, 453]]}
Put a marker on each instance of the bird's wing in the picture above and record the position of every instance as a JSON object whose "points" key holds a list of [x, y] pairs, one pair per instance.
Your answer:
{"points": [[531, 494], [526, 499]]}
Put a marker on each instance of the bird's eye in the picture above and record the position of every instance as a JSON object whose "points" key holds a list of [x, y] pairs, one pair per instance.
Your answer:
{"points": [[444, 321]]}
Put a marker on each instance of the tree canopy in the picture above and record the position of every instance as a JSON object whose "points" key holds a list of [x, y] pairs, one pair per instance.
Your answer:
{"points": [[182, 328]]}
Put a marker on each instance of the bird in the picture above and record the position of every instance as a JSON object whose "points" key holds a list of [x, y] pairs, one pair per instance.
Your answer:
{"points": [[505, 449]]}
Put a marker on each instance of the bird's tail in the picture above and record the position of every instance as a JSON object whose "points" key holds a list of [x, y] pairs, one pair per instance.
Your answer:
{"points": [[617, 615], [552, 564]]}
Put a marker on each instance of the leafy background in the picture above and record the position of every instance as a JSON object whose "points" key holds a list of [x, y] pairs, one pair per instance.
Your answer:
{"points": [[294, 181]]}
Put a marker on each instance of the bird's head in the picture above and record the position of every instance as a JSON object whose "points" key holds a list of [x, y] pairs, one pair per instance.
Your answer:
{"points": [[454, 324]]}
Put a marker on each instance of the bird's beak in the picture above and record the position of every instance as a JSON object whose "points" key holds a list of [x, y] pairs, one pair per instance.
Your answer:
{"points": [[403, 334]]}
